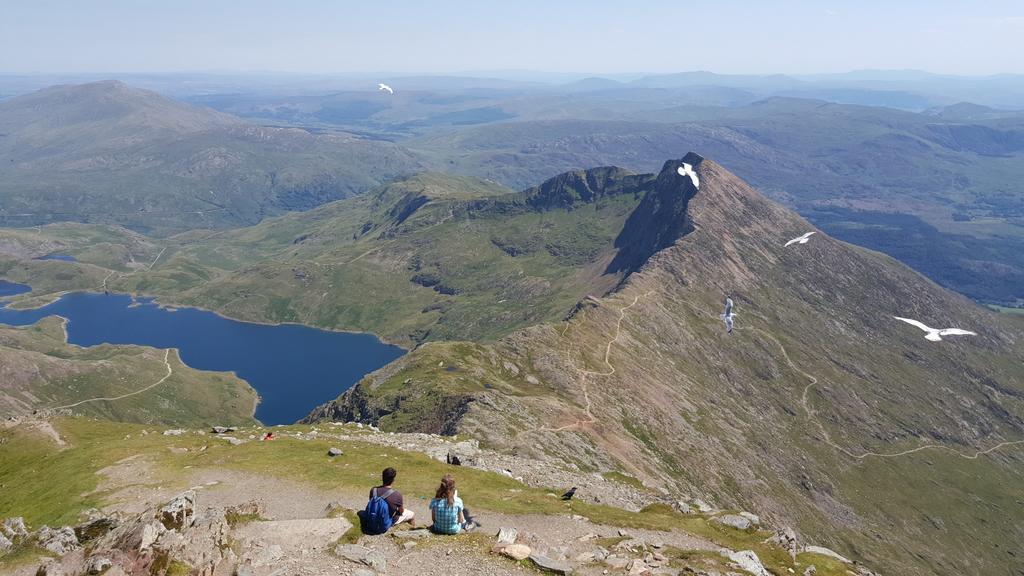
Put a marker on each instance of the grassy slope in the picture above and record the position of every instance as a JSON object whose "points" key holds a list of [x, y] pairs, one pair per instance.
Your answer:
{"points": [[40, 370], [31, 460], [474, 261]]}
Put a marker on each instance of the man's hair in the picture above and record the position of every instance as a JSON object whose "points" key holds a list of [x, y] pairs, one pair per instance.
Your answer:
{"points": [[388, 476]]}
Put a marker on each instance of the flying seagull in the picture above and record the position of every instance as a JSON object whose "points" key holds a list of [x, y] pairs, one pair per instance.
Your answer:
{"points": [[687, 170], [727, 316], [936, 334], [800, 239], [385, 88]]}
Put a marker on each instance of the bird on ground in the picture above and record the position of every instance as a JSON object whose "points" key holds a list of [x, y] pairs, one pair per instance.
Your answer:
{"points": [[687, 170], [936, 334], [568, 495], [728, 315], [385, 88], [800, 239]]}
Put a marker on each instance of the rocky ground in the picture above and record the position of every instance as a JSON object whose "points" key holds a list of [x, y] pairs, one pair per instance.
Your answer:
{"points": [[233, 523]]}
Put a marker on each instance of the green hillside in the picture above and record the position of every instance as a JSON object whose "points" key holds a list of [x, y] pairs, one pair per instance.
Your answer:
{"points": [[426, 258], [42, 372]]}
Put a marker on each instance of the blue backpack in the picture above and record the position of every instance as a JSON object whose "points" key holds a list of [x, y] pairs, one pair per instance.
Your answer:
{"points": [[377, 516]]}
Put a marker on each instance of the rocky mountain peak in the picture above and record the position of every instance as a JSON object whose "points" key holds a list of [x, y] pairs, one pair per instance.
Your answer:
{"points": [[580, 186]]}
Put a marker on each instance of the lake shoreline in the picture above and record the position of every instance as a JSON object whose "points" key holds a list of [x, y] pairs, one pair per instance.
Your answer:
{"points": [[270, 358], [55, 296]]}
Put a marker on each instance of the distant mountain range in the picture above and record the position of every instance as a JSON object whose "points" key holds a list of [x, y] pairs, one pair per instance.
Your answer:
{"points": [[932, 188], [107, 152]]}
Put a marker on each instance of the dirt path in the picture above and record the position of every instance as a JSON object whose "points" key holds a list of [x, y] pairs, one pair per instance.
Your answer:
{"points": [[104, 286], [170, 371], [153, 263], [584, 374]]}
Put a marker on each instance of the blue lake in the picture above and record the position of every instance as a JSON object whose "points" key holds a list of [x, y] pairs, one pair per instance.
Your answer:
{"points": [[12, 288], [294, 368]]}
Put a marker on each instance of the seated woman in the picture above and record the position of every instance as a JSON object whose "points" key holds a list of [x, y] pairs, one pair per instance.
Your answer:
{"points": [[446, 509]]}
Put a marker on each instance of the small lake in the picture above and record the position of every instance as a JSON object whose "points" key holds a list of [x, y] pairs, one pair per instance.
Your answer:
{"points": [[12, 288], [294, 368]]}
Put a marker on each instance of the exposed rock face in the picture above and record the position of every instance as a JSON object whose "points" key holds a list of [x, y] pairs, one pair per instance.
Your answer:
{"points": [[59, 541], [584, 186], [180, 512], [659, 220], [94, 529], [359, 404], [14, 528]]}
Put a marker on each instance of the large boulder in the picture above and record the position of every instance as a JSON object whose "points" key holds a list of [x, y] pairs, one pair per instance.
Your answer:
{"points": [[180, 512], [550, 565], [507, 535], [59, 541], [747, 560], [733, 520], [14, 528]]}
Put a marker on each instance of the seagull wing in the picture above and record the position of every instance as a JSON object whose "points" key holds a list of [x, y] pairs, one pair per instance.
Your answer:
{"points": [[808, 235], [956, 332], [915, 323]]}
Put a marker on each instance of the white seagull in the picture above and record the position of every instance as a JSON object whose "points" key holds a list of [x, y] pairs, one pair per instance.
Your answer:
{"points": [[936, 334], [687, 170], [385, 88], [800, 239], [727, 316]]}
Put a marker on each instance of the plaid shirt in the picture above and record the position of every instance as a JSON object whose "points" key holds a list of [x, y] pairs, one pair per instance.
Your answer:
{"points": [[446, 517]]}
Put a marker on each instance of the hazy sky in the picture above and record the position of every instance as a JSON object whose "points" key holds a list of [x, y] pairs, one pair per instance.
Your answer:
{"points": [[730, 36]]}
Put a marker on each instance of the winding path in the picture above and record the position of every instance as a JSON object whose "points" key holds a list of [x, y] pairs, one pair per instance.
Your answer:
{"points": [[112, 272], [590, 418], [170, 371]]}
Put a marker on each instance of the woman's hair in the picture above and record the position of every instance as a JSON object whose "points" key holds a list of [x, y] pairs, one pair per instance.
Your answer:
{"points": [[447, 489]]}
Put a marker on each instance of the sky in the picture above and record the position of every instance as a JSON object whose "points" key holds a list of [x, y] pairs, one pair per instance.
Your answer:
{"points": [[458, 36]]}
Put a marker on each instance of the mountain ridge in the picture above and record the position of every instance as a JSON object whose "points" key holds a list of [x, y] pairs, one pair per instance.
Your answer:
{"points": [[800, 415]]}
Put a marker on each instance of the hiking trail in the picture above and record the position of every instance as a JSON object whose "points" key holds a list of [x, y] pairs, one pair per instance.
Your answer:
{"points": [[170, 372], [590, 418]]}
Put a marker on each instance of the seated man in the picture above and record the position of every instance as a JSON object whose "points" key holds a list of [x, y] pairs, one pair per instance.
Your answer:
{"points": [[397, 511]]}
